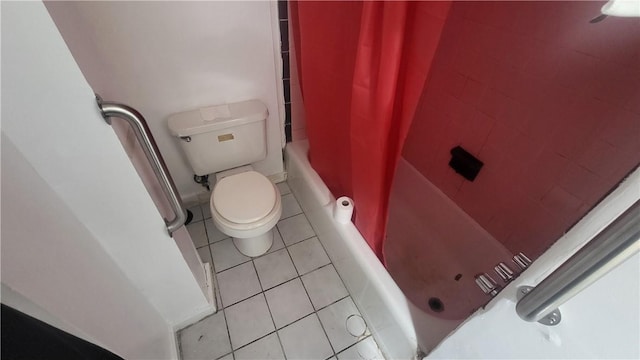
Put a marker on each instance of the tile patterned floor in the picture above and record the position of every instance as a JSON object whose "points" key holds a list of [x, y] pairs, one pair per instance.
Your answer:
{"points": [[289, 303]]}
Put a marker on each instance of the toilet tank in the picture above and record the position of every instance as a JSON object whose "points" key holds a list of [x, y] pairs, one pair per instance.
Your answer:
{"points": [[222, 137]]}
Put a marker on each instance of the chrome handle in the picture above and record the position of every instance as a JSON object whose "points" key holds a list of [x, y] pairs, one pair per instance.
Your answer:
{"points": [[143, 134], [609, 248], [522, 261], [504, 272], [487, 284]]}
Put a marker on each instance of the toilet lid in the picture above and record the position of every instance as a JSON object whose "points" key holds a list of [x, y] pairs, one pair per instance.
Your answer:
{"points": [[244, 198]]}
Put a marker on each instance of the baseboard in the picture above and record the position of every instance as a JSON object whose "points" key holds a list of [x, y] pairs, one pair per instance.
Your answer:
{"points": [[209, 283], [277, 178]]}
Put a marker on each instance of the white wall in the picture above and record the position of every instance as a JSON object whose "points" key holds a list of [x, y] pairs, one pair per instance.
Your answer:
{"points": [[601, 322], [54, 269], [167, 57], [81, 237]]}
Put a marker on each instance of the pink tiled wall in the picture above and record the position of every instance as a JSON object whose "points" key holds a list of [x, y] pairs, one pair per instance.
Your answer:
{"points": [[549, 102]]}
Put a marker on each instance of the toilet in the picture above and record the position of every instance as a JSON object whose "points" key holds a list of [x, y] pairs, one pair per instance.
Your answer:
{"points": [[225, 140]]}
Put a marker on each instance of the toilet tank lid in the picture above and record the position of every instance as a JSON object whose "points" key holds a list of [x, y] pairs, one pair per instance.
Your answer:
{"points": [[212, 118]]}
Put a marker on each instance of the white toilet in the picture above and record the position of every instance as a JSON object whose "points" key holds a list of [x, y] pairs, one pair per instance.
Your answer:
{"points": [[225, 140]]}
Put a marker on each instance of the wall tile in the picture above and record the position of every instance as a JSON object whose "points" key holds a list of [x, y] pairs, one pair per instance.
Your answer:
{"points": [[284, 34], [561, 203], [548, 102], [283, 12]]}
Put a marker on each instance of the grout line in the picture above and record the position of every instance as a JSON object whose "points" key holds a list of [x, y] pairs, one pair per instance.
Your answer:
{"points": [[309, 297], [234, 266], [224, 315], [325, 333], [226, 324], [314, 269], [270, 314], [323, 248], [299, 241], [254, 341], [331, 262], [282, 283], [356, 343], [333, 303], [336, 270], [287, 281], [251, 342], [299, 276], [275, 327], [290, 216]]}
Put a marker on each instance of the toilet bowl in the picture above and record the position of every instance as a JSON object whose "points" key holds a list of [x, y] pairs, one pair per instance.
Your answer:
{"points": [[246, 206]]}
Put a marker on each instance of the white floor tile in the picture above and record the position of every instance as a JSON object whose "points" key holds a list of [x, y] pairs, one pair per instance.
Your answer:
{"points": [[335, 318], [225, 255], [290, 206], [324, 286], [197, 213], [205, 255], [275, 268], [366, 349], [308, 255], [248, 320], [207, 339], [267, 348], [295, 229], [305, 339], [198, 233], [218, 296], [288, 302], [238, 283], [283, 187], [206, 211], [227, 357], [213, 233]]}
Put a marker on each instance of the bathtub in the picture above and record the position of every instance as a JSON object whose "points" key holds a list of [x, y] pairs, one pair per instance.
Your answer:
{"points": [[434, 249], [402, 330]]}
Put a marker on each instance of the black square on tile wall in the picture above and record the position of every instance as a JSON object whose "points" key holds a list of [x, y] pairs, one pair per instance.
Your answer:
{"points": [[464, 163]]}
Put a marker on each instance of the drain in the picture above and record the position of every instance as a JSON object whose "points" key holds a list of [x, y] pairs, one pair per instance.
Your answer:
{"points": [[436, 304], [356, 325]]}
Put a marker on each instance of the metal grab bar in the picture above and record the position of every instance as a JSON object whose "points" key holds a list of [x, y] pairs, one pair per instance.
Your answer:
{"points": [[612, 246], [140, 128]]}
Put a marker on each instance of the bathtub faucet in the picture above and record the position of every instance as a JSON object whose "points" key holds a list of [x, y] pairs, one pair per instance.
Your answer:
{"points": [[487, 284], [504, 272], [522, 261]]}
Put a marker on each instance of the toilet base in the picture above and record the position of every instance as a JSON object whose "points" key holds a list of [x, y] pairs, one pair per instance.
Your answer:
{"points": [[254, 246]]}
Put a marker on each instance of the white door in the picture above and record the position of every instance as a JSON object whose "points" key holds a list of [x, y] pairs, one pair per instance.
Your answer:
{"points": [[82, 242]]}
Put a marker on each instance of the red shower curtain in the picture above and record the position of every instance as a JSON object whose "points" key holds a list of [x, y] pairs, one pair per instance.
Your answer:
{"points": [[362, 66]]}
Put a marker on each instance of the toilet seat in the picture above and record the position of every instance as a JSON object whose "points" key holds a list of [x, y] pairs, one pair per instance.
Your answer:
{"points": [[244, 198], [242, 228]]}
